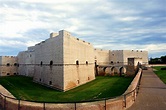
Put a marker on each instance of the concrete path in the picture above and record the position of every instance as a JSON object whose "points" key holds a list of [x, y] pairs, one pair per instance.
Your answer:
{"points": [[152, 93]]}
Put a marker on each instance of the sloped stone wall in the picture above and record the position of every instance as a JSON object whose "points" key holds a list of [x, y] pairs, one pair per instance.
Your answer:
{"points": [[120, 103]]}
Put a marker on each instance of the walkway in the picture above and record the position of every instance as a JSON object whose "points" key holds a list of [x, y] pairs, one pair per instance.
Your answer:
{"points": [[152, 93]]}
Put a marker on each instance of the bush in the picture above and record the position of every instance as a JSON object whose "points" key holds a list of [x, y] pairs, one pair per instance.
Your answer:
{"points": [[163, 68]]}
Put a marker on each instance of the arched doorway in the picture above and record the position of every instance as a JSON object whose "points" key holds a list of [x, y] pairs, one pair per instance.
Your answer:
{"points": [[122, 71], [101, 71], [107, 71], [114, 71]]}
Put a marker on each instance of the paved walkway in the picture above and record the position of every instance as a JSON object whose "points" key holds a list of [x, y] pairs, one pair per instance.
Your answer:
{"points": [[152, 93]]}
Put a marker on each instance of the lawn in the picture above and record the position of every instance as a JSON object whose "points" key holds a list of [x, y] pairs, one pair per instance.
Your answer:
{"points": [[102, 87], [160, 73]]}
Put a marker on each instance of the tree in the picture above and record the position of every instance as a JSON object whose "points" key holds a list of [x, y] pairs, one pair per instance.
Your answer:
{"points": [[163, 59]]}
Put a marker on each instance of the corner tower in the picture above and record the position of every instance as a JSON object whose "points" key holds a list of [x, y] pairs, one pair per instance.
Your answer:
{"points": [[63, 61], [78, 57]]}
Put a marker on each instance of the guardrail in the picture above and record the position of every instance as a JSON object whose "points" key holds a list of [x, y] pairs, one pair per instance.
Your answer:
{"points": [[114, 103]]}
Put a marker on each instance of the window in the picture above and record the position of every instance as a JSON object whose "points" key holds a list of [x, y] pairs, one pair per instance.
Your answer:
{"points": [[95, 62], [50, 82], [86, 62], [51, 63], [78, 81], [8, 64], [15, 64], [8, 73], [14, 73], [117, 61], [77, 62], [41, 63], [111, 61]]}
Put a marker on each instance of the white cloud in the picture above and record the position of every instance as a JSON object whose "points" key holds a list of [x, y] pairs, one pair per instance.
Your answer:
{"points": [[128, 18], [11, 43], [99, 21], [31, 43], [53, 1], [17, 44], [156, 47]]}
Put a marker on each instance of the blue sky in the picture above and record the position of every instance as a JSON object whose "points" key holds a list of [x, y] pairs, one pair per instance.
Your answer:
{"points": [[107, 24]]}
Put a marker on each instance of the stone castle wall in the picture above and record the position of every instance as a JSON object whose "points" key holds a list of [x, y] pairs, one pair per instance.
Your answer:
{"points": [[56, 59], [117, 57], [78, 61], [49, 62], [102, 57], [64, 62], [136, 54], [8, 65], [26, 61]]}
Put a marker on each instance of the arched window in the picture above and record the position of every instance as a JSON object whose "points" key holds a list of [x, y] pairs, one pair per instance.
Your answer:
{"points": [[15, 64], [8, 64], [50, 82], [77, 62], [41, 63], [51, 63], [86, 62], [78, 81]]}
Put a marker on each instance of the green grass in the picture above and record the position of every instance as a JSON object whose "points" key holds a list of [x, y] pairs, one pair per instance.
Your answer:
{"points": [[160, 73], [102, 87]]}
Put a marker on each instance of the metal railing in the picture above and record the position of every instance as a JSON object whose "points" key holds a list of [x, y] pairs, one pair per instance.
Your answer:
{"points": [[134, 92]]}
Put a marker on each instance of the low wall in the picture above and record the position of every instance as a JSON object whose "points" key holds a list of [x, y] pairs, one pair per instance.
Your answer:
{"points": [[8, 102]]}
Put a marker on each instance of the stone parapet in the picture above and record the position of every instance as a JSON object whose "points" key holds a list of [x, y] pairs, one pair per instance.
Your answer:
{"points": [[119, 103]]}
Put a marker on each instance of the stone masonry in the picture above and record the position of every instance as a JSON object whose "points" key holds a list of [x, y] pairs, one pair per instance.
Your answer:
{"points": [[65, 62]]}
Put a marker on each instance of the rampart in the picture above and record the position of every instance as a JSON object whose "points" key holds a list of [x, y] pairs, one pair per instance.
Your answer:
{"points": [[8, 65], [8, 102]]}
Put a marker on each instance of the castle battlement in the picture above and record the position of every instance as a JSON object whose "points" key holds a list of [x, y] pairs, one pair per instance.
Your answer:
{"points": [[64, 62]]}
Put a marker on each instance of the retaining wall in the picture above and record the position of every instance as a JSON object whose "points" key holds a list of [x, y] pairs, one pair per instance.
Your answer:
{"points": [[8, 102]]}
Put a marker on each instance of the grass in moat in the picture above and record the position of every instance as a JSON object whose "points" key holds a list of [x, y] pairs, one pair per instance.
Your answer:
{"points": [[102, 87], [160, 73]]}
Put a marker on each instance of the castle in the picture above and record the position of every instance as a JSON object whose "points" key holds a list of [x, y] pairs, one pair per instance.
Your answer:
{"points": [[65, 62]]}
